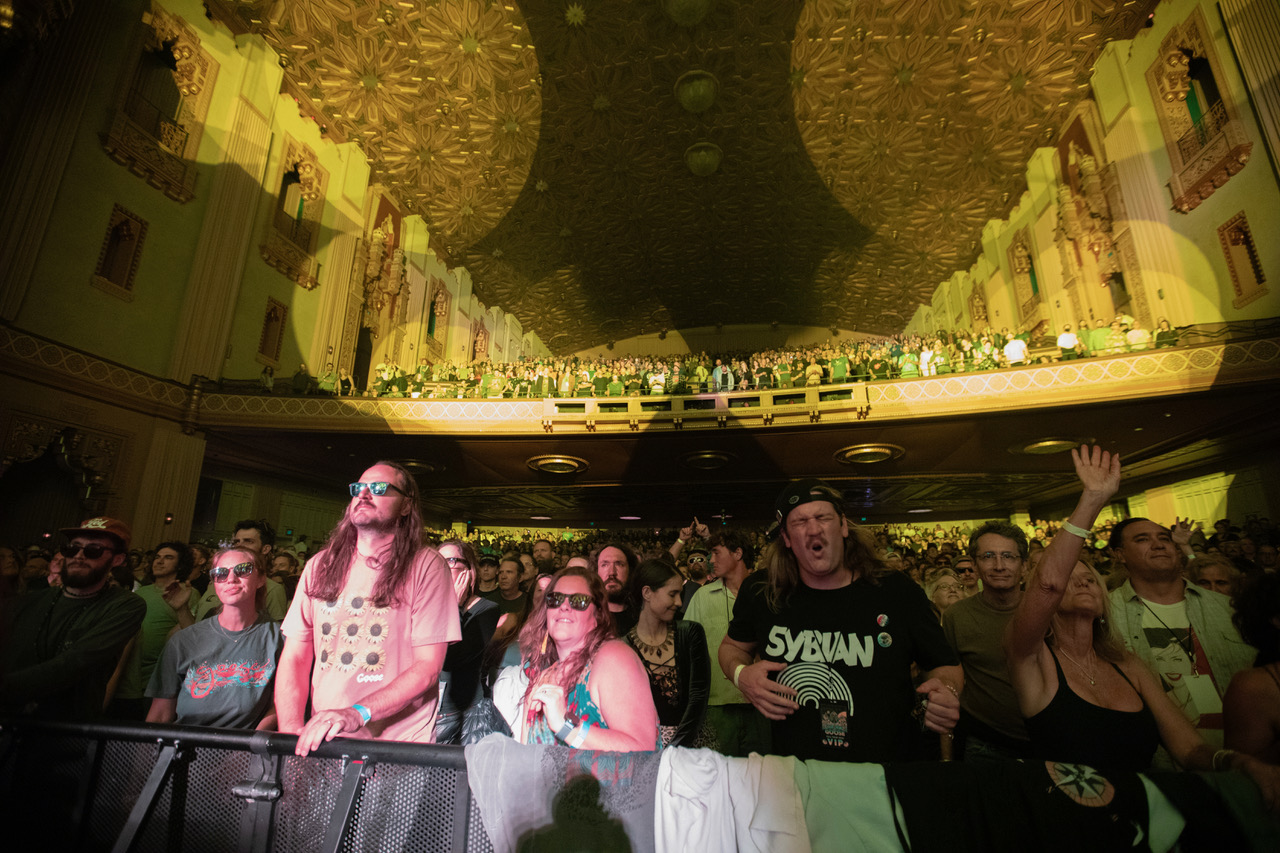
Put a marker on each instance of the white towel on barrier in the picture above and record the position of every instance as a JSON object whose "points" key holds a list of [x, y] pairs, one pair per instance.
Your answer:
{"points": [[713, 804]]}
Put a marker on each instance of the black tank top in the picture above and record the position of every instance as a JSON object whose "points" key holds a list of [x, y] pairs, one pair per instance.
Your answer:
{"points": [[1069, 729]]}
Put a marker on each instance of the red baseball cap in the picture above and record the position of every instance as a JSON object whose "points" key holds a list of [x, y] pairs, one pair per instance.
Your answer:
{"points": [[101, 524]]}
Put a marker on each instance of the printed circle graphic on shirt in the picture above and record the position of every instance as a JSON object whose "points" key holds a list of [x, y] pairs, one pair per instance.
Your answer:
{"points": [[349, 631], [373, 661], [1082, 784], [815, 682], [326, 629], [324, 658], [376, 630], [329, 607], [357, 604], [347, 661]]}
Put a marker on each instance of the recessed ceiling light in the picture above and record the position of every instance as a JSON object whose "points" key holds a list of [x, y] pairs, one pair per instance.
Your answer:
{"points": [[556, 463], [919, 510], [708, 460], [628, 518], [868, 454], [539, 518], [1048, 445]]}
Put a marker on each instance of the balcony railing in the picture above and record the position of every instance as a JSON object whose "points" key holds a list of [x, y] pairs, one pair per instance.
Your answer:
{"points": [[1209, 125]]}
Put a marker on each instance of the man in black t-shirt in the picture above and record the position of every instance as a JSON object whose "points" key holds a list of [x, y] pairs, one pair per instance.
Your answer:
{"points": [[837, 639]]}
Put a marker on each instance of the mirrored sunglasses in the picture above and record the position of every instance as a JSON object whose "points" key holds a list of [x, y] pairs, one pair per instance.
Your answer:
{"points": [[378, 489], [578, 601], [91, 552], [221, 573]]}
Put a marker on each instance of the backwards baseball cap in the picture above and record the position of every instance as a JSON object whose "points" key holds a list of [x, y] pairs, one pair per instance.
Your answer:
{"points": [[110, 526], [800, 492]]}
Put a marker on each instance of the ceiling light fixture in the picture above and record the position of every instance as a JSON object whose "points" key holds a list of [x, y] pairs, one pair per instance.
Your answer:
{"points": [[868, 454], [708, 460], [556, 463], [1049, 445]]}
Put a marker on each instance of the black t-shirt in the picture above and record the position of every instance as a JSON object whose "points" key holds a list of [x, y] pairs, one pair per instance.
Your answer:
{"points": [[849, 653]]}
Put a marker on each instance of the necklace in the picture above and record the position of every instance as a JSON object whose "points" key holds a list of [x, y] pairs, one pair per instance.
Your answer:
{"points": [[1188, 648], [235, 641], [658, 651], [1088, 673]]}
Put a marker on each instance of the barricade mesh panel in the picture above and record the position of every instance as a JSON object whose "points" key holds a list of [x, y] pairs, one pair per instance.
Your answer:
{"points": [[125, 767], [477, 839], [43, 779], [403, 807], [310, 787], [210, 818]]}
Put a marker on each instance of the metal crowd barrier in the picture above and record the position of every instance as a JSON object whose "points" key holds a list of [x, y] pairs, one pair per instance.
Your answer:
{"points": [[98, 786]]}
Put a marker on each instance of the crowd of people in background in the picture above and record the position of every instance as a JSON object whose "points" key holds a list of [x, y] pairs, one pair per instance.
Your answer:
{"points": [[643, 639], [839, 361]]}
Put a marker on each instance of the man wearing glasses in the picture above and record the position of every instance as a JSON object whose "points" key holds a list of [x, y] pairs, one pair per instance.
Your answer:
{"points": [[990, 720], [64, 642], [366, 635]]}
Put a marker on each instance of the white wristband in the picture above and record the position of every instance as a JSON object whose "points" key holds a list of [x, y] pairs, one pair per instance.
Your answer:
{"points": [[737, 672], [1075, 531]]}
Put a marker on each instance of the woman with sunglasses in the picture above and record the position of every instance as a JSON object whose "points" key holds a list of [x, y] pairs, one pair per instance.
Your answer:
{"points": [[586, 689], [466, 711], [220, 672]]}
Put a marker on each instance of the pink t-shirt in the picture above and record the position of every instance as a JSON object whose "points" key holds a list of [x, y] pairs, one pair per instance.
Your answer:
{"points": [[360, 648]]}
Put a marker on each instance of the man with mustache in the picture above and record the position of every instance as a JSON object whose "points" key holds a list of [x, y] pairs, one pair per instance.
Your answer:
{"points": [[614, 564], [366, 635], [64, 642], [837, 636]]}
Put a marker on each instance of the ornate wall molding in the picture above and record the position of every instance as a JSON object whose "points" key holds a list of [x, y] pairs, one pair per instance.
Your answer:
{"points": [[162, 149]]}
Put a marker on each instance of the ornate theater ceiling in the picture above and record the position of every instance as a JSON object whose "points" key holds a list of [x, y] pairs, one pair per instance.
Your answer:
{"points": [[608, 168]]}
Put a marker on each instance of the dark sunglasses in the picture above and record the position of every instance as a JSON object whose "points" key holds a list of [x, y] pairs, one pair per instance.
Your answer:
{"points": [[91, 552], [697, 558], [378, 489], [964, 570], [578, 601], [221, 573]]}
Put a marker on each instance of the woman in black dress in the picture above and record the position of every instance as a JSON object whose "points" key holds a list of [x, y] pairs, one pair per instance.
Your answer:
{"points": [[674, 653]]}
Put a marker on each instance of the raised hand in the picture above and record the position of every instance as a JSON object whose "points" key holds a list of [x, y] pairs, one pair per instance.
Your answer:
{"points": [[1098, 470]]}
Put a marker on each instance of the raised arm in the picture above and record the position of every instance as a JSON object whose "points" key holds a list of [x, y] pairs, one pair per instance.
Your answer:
{"points": [[1099, 473]]}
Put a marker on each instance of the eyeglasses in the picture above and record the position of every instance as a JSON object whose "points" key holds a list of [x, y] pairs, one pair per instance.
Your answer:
{"points": [[378, 489], [698, 559], [1004, 557], [221, 573], [91, 552], [578, 601]]}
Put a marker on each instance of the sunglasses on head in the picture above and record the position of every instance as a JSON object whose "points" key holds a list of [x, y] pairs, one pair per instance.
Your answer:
{"points": [[378, 489], [91, 552], [221, 573], [578, 600]]}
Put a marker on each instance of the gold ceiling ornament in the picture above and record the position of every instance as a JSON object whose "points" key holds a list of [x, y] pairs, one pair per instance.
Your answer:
{"points": [[556, 131]]}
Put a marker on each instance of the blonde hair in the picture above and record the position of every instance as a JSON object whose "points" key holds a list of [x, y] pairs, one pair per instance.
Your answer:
{"points": [[1106, 644]]}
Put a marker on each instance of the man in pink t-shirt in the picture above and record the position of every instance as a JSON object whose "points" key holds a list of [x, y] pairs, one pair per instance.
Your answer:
{"points": [[369, 625]]}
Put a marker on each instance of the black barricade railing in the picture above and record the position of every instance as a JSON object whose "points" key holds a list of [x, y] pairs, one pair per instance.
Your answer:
{"points": [[119, 787]]}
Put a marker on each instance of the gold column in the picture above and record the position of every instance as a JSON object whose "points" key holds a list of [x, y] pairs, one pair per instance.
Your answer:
{"points": [[226, 236]]}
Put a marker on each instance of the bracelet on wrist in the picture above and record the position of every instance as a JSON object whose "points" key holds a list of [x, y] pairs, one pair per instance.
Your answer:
{"points": [[1075, 531], [1222, 759], [565, 730], [365, 714], [578, 735], [737, 673]]}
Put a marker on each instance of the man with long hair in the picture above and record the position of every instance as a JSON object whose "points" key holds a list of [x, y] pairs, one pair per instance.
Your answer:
{"points": [[366, 635], [840, 635]]}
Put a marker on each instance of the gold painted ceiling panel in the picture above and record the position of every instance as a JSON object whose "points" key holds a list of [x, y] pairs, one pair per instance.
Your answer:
{"points": [[607, 168]]}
